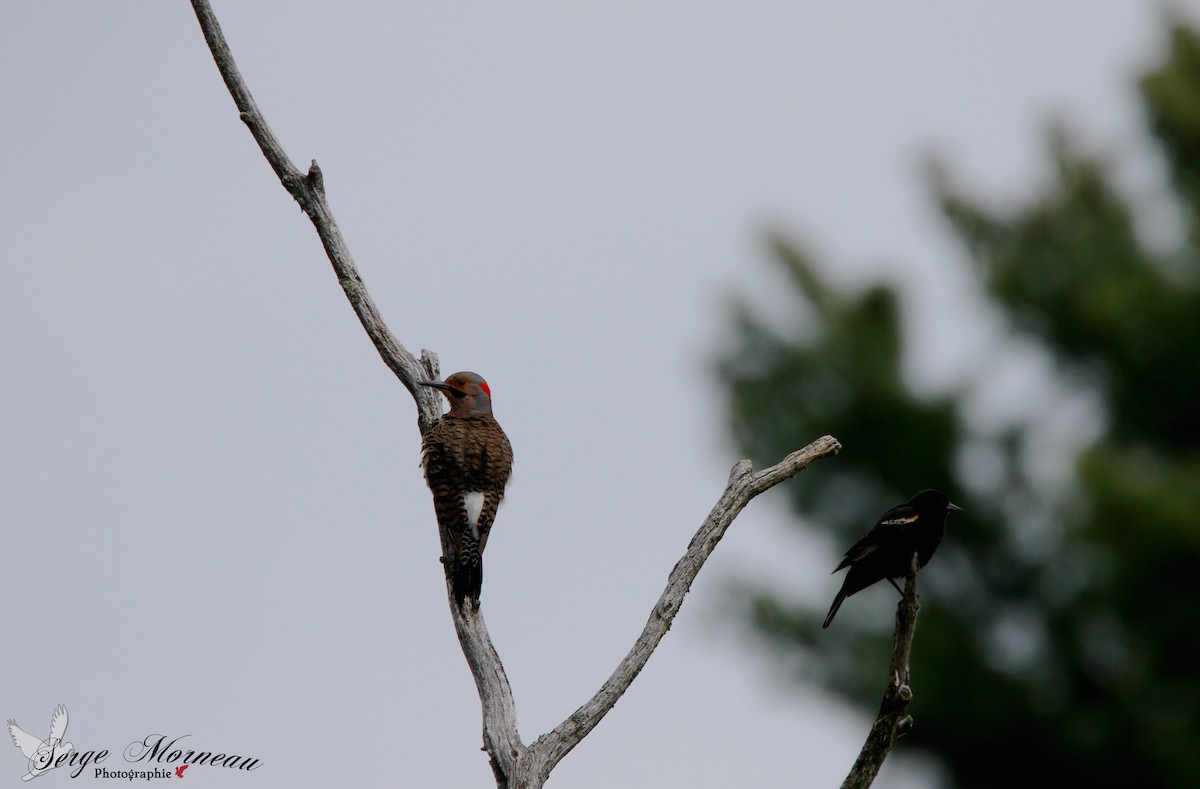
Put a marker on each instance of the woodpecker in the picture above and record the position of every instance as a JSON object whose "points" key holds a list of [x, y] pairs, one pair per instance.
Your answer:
{"points": [[916, 526], [467, 461]]}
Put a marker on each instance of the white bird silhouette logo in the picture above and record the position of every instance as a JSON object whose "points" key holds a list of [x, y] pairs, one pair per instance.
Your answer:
{"points": [[42, 753]]}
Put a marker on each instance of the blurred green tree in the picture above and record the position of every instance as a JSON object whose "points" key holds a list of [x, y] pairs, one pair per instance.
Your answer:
{"points": [[1058, 642]]}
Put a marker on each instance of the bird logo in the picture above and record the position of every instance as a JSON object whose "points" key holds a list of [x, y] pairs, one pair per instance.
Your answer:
{"points": [[42, 754], [179, 770]]}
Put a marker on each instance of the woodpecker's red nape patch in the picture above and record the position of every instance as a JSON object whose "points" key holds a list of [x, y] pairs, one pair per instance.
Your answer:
{"points": [[483, 385]]}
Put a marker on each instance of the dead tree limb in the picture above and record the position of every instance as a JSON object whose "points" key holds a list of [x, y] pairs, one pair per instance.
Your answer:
{"points": [[744, 484], [516, 766], [308, 189], [893, 720]]}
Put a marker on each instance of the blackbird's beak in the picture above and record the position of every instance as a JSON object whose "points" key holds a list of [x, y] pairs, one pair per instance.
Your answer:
{"points": [[951, 507]]}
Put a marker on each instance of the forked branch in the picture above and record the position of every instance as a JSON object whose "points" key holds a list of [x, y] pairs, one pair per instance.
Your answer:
{"points": [[514, 764]]}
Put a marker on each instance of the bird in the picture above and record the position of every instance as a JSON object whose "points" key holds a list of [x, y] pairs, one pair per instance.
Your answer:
{"points": [[468, 461], [916, 526], [42, 754]]}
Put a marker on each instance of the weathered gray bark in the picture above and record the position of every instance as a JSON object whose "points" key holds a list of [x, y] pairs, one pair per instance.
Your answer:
{"points": [[892, 721], [516, 766], [308, 189], [519, 767]]}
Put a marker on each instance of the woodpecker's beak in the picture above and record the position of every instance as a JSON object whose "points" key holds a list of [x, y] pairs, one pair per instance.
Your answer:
{"points": [[435, 384], [951, 507]]}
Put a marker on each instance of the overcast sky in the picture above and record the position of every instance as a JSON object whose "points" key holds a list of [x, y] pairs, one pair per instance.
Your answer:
{"points": [[214, 520]]}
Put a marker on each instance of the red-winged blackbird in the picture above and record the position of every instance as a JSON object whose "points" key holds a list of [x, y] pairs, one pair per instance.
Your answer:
{"points": [[916, 526]]}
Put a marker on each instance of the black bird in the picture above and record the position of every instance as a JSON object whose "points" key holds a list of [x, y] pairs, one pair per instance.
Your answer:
{"points": [[916, 526]]}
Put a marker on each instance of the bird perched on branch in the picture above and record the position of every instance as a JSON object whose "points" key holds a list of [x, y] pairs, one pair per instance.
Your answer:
{"points": [[916, 526], [468, 461]]}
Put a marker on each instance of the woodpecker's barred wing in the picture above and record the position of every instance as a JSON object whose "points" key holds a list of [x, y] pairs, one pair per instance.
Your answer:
{"points": [[26, 742], [58, 723], [442, 465], [892, 524]]}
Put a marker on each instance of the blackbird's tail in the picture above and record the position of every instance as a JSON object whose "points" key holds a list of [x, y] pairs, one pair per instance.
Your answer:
{"points": [[833, 609]]}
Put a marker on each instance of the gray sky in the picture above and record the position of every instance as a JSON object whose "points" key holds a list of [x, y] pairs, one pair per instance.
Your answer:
{"points": [[215, 523]]}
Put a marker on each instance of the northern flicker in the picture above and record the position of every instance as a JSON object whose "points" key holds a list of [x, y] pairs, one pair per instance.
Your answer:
{"points": [[467, 460], [916, 526]]}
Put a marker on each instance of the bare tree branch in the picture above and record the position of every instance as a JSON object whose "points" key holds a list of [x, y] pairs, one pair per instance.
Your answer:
{"points": [[743, 485], [501, 740], [518, 766], [892, 721], [498, 707], [515, 766], [309, 191]]}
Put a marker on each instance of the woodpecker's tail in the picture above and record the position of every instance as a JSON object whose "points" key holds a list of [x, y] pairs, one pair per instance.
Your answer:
{"points": [[466, 574], [833, 609]]}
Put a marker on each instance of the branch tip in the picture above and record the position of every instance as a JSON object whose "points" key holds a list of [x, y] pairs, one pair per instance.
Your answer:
{"points": [[315, 177], [743, 468], [429, 361]]}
